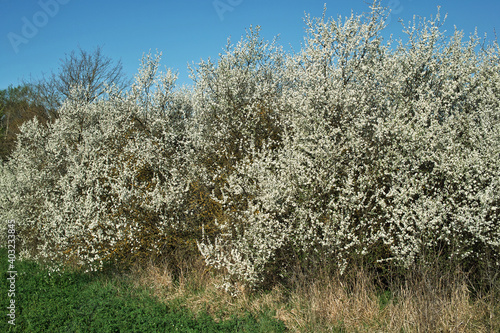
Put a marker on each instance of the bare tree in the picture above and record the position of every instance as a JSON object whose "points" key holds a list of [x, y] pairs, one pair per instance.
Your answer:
{"points": [[89, 71]]}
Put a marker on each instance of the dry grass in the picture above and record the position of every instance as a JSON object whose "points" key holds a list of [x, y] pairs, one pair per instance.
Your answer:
{"points": [[445, 306], [424, 303]]}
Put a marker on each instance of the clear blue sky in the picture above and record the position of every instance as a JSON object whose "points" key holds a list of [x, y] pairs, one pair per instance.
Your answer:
{"points": [[184, 30]]}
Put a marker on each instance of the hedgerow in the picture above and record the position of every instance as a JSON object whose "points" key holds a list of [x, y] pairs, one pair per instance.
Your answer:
{"points": [[106, 179], [354, 150], [390, 156]]}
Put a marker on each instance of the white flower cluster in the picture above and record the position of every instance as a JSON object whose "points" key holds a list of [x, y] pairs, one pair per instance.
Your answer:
{"points": [[352, 149], [389, 153], [104, 177]]}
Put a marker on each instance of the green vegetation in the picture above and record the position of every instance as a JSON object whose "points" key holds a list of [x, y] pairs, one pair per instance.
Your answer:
{"points": [[353, 186], [104, 302], [17, 105]]}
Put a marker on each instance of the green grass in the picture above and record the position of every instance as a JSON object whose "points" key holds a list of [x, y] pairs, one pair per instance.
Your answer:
{"points": [[102, 302]]}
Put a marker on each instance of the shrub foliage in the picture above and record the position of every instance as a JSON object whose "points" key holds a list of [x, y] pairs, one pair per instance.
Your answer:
{"points": [[354, 150]]}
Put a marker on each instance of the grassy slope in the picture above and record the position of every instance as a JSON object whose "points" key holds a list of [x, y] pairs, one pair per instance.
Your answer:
{"points": [[99, 302], [160, 298]]}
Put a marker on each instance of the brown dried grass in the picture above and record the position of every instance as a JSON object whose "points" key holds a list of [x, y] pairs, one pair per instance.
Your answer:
{"points": [[425, 302]]}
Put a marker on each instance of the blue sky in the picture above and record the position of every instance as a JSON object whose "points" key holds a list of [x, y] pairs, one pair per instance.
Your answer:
{"points": [[36, 34]]}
